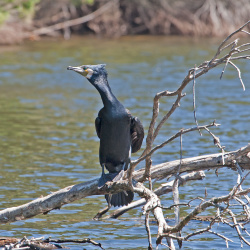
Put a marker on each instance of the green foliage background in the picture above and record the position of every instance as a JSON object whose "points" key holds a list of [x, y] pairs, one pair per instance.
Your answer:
{"points": [[24, 9]]}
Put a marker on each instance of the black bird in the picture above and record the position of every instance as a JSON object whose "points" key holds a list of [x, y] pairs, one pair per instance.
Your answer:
{"points": [[120, 133]]}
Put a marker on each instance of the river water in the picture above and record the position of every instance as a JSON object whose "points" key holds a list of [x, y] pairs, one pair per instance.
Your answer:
{"points": [[48, 139]]}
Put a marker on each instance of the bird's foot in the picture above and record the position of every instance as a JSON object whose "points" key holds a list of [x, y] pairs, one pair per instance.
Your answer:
{"points": [[103, 179]]}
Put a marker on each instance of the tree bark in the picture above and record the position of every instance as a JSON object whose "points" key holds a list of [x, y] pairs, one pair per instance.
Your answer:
{"points": [[204, 162]]}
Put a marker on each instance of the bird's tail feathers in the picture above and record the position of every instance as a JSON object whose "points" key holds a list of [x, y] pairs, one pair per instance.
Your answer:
{"points": [[110, 177], [115, 176], [120, 199]]}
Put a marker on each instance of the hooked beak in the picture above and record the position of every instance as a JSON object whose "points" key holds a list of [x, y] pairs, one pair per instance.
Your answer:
{"points": [[79, 70]]}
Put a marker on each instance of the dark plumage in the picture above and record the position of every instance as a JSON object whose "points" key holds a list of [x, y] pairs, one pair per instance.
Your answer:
{"points": [[119, 132]]}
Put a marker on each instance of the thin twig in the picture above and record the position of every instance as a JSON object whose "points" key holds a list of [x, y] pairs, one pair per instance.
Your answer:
{"points": [[246, 32], [202, 207], [75, 241], [184, 131], [243, 45], [150, 246], [237, 228], [239, 74], [217, 143], [233, 43], [241, 57], [222, 44], [222, 72], [175, 205], [221, 236], [194, 106]]}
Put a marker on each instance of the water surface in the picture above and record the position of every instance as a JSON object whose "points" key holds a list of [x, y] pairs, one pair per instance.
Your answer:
{"points": [[48, 139]]}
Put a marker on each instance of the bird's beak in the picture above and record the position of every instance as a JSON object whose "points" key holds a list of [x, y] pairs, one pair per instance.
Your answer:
{"points": [[79, 70]]}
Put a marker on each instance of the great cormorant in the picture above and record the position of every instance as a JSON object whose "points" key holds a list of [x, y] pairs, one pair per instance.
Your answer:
{"points": [[120, 133]]}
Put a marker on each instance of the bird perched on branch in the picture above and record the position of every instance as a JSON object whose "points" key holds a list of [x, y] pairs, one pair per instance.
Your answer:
{"points": [[120, 133]]}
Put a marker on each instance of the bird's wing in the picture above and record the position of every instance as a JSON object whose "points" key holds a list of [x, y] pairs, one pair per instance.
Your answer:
{"points": [[98, 126], [137, 134]]}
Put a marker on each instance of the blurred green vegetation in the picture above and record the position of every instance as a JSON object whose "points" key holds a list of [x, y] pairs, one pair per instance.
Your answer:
{"points": [[80, 2], [24, 9], [27, 8], [3, 16]]}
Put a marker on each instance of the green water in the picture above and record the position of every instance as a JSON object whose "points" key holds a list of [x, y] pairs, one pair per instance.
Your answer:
{"points": [[48, 139]]}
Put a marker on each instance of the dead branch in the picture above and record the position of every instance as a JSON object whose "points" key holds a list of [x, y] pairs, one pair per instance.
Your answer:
{"points": [[192, 75], [153, 204], [163, 189], [72, 193], [181, 132], [204, 162], [224, 42], [150, 246], [40, 243], [79, 241], [53, 201], [237, 226], [202, 207]]}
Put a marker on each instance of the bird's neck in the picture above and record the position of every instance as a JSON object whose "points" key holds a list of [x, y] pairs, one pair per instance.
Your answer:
{"points": [[108, 98]]}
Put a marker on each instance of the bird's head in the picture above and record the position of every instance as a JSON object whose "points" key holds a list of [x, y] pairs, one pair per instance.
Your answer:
{"points": [[91, 72]]}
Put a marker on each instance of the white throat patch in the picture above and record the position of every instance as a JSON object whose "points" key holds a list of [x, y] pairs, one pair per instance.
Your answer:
{"points": [[90, 73]]}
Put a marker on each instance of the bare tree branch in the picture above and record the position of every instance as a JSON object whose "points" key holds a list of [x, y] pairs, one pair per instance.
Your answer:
{"points": [[239, 73], [192, 75], [204, 162], [40, 243], [182, 131], [150, 246], [222, 44], [72, 193], [202, 207], [163, 189]]}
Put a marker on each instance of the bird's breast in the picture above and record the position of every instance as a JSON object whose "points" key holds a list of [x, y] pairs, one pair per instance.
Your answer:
{"points": [[115, 140]]}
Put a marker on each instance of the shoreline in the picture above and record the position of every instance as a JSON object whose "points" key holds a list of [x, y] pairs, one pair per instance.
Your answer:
{"points": [[118, 18]]}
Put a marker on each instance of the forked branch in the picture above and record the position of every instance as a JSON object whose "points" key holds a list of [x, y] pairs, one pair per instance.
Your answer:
{"points": [[193, 74]]}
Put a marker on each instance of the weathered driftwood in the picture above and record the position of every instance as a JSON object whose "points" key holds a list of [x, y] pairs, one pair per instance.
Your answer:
{"points": [[163, 189], [72, 193], [203, 162], [40, 243]]}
